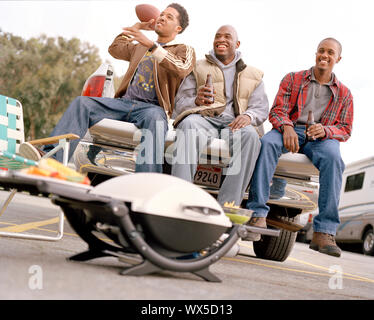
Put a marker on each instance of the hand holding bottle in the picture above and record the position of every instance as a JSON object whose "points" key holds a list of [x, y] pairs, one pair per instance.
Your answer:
{"points": [[205, 94], [314, 130]]}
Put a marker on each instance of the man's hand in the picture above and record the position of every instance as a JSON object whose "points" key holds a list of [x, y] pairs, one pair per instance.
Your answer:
{"points": [[316, 131], [204, 95], [240, 121], [134, 33], [290, 139]]}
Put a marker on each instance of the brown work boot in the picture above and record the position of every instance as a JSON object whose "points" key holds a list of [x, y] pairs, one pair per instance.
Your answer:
{"points": [[258, 222], [325, 243]]}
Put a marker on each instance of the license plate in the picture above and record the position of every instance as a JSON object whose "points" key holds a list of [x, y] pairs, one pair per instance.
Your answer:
{"points": [[208, 176]]}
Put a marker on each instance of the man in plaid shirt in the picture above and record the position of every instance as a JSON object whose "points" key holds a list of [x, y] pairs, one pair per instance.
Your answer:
{"points": [[318, 90]]}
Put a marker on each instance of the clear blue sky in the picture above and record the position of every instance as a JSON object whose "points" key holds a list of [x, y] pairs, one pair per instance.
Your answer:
{"points": [[277, 36]]}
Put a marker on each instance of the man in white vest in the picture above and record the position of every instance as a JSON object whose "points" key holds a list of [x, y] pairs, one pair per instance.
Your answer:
{"points": [[240, 106]]}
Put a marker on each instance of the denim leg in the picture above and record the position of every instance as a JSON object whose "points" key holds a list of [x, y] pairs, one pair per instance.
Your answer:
{"points": [[152, 121], [83, 113], [271, 150], [325, 155], [278, 188]]}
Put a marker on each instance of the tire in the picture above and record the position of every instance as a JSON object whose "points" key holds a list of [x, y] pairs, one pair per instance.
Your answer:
{"points": [[368, 244], [276, 248]]}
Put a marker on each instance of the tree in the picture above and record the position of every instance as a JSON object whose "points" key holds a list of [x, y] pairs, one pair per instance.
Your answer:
{"points": [[45, 74]]}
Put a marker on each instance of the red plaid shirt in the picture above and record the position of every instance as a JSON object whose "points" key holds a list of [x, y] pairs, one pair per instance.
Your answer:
{"points": [[290, 100]]}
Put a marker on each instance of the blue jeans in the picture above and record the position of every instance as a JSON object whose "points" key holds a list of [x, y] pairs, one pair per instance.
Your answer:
{"points": [[84, 112], [278, 188], [324, 154]]}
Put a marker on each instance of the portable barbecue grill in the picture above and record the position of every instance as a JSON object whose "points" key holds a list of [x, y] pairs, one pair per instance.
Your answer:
{"points": [[156, 222]]}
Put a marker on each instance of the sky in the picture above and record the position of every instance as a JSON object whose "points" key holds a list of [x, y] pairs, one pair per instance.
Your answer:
{"points": [[277, 36]]}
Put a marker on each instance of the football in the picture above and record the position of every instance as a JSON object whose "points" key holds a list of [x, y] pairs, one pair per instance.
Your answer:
{"points": [[146, 12]]}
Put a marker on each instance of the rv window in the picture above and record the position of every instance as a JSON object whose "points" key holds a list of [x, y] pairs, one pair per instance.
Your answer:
{"points": [[354, 182]]}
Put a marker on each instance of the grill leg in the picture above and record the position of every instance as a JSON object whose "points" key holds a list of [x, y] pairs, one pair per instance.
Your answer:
{"points": [[8, 200], [141, 269]]}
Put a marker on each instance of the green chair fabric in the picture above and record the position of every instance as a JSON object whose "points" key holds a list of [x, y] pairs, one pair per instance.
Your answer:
{"points": [[11, 134]]}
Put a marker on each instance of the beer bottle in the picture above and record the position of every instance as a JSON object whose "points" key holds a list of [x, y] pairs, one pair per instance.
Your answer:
{"points": [[309, 123], [209, 84]]}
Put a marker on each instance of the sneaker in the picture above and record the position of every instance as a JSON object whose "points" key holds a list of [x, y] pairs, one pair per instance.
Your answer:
{"points": [[325, 243], [258, 222], [28, 151]]}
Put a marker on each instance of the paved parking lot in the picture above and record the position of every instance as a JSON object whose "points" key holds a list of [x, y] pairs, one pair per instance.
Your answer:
{"points": [[39, 270]]}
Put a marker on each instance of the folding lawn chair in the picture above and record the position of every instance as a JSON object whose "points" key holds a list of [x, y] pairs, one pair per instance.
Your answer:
{"points": [[11, 137]]}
